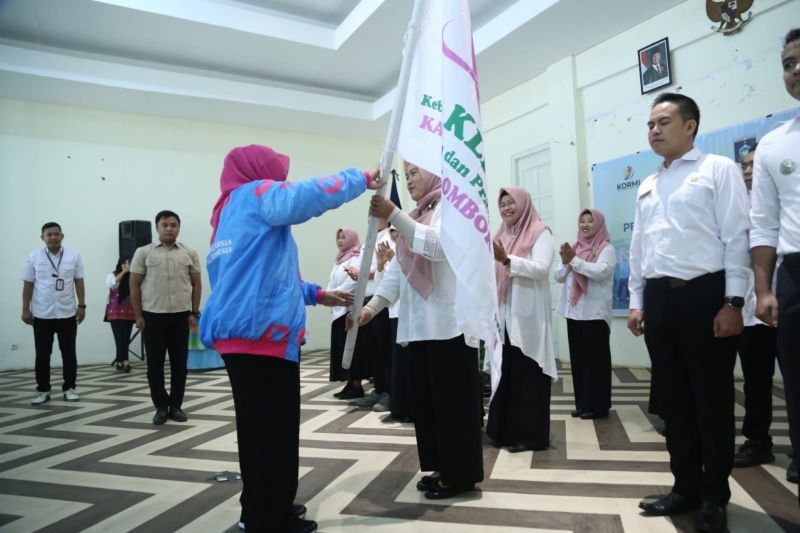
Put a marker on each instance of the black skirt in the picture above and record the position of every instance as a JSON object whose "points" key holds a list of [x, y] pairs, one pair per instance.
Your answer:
{"points": [[361, 365], [520, 410]]}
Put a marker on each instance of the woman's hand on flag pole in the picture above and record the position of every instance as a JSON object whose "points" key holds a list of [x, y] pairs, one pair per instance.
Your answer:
{"points": [[364, 318], [381, 207]]}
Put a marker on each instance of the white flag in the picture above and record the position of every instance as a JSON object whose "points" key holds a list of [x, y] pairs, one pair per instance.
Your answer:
{"points": [[441, 132]]}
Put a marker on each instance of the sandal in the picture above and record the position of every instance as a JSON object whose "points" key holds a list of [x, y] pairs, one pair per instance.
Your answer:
{"points": [[117, 365], [126, 366]]}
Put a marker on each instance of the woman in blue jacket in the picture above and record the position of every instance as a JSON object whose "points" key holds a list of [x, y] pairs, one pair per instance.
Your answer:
{"points": [[255, 317]]}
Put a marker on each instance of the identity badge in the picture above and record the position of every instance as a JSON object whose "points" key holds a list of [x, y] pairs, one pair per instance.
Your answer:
{"points": [[59, 284]]}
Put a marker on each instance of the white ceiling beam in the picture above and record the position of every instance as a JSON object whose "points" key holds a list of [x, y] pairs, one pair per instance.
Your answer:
{"points": [[151, 79], [239, 17]]}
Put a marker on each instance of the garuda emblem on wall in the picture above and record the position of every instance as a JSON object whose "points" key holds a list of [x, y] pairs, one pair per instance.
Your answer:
{"points": [[731, 14]]}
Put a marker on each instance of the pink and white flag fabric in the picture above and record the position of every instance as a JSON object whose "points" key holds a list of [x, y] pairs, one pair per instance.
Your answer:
{"points": [[441, 132]]}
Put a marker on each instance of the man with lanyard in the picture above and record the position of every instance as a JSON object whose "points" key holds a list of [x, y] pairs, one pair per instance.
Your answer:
{"points": [[775, 217], [51, 279], [689, 267]]}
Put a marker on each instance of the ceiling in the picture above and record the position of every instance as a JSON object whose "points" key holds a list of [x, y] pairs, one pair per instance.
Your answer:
{"points": [[314, 66]]}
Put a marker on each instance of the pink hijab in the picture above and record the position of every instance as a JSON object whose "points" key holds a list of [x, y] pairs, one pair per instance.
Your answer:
{"points": [[417, 269], [588, 249], [352, 246], [243, 165], [517, 240]]}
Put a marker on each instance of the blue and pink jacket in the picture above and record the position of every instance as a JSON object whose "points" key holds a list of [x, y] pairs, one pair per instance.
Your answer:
{"points": [[258, 299]]}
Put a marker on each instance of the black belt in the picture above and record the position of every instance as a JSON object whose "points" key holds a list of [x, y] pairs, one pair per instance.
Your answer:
{"points": [[676, 283]]}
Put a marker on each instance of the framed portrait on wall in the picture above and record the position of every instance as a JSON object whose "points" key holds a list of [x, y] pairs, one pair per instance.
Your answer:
{"points": [[655, 70]]}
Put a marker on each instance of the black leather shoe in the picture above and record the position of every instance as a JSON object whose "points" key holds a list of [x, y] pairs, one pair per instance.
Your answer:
{"points": [[301, 525], [438, 492], [160, 417], [177, 414], [526, 447], [791, 473], [711, 517], [668, 505], [752, 454], [590, 415], [299, 510], [576, 413], [427, 483]]}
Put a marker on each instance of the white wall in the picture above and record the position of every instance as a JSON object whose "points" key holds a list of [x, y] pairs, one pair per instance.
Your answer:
{"points": [[588, 108], [89, 169]]}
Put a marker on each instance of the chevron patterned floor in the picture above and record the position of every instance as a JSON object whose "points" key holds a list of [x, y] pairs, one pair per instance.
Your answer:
{"points": [[100, 465]]}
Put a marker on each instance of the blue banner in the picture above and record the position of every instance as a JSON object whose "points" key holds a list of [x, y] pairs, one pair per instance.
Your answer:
{"points": [[615, 183]]}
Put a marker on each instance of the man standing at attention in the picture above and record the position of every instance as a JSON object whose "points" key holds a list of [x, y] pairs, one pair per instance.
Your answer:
{"points": [[51, 279], [775, 216], [689, 267], [165, 292]]}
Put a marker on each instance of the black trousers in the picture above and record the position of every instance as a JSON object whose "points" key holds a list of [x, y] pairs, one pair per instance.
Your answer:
{"points": [[590, 361], [361, 365], [694, 370], [447, 409], [163, 333], [122, 337], [788, 293], [66, 330], [266, 397], [758, 348], [520, 409], [382, 351]]}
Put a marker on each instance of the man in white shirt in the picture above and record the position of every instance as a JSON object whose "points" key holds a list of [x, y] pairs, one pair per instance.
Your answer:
{"points": [[775, 216], [758, 350], [688, 273], [50, 281]]}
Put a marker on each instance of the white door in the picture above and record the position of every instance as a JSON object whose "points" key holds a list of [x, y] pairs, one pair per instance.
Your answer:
{"points": [[532, 171]]}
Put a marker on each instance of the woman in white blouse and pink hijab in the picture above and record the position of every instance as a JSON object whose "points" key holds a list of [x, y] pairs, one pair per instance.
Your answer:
{"points": [[519, 415], [587, 271]]}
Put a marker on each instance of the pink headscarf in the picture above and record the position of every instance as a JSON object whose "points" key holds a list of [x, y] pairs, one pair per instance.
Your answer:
{"points": [[418, 269], [588, 249], [243, 165], [517, 240], [352, 246]]}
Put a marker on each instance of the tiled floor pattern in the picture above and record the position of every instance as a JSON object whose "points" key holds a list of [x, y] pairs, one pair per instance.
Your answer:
{"points": [[99, 465]]}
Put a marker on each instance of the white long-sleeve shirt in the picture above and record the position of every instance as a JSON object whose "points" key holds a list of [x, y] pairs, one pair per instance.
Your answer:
{"points": [[775, 214], [691, 219], [526, 314], [422, 319], [340, 281], [596, 302]]}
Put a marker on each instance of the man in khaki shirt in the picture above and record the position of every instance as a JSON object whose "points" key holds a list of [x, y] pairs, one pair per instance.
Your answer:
{"points": [[165, 291]]}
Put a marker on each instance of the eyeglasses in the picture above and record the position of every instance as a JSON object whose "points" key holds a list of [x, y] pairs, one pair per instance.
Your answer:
{"points": [[746, 165]]}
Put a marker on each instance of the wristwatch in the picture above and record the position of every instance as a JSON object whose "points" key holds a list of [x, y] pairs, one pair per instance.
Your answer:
{"points": [[737, 302], [195, 314], [81, 306]]}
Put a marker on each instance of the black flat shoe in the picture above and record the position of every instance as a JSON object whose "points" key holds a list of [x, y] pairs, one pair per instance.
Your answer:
{"points": [[526, 447], [427, 483], [126, 367], [752, 454], [711, 517], [791, 473], [160, 417], [346, 388], [177, 414], [352, 394], [576, 413], [117, 365], [668, 505], [438, 492], [589, 415]]}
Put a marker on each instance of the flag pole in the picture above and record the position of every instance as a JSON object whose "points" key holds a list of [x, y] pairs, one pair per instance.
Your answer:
{"points": [[390, 147]]}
